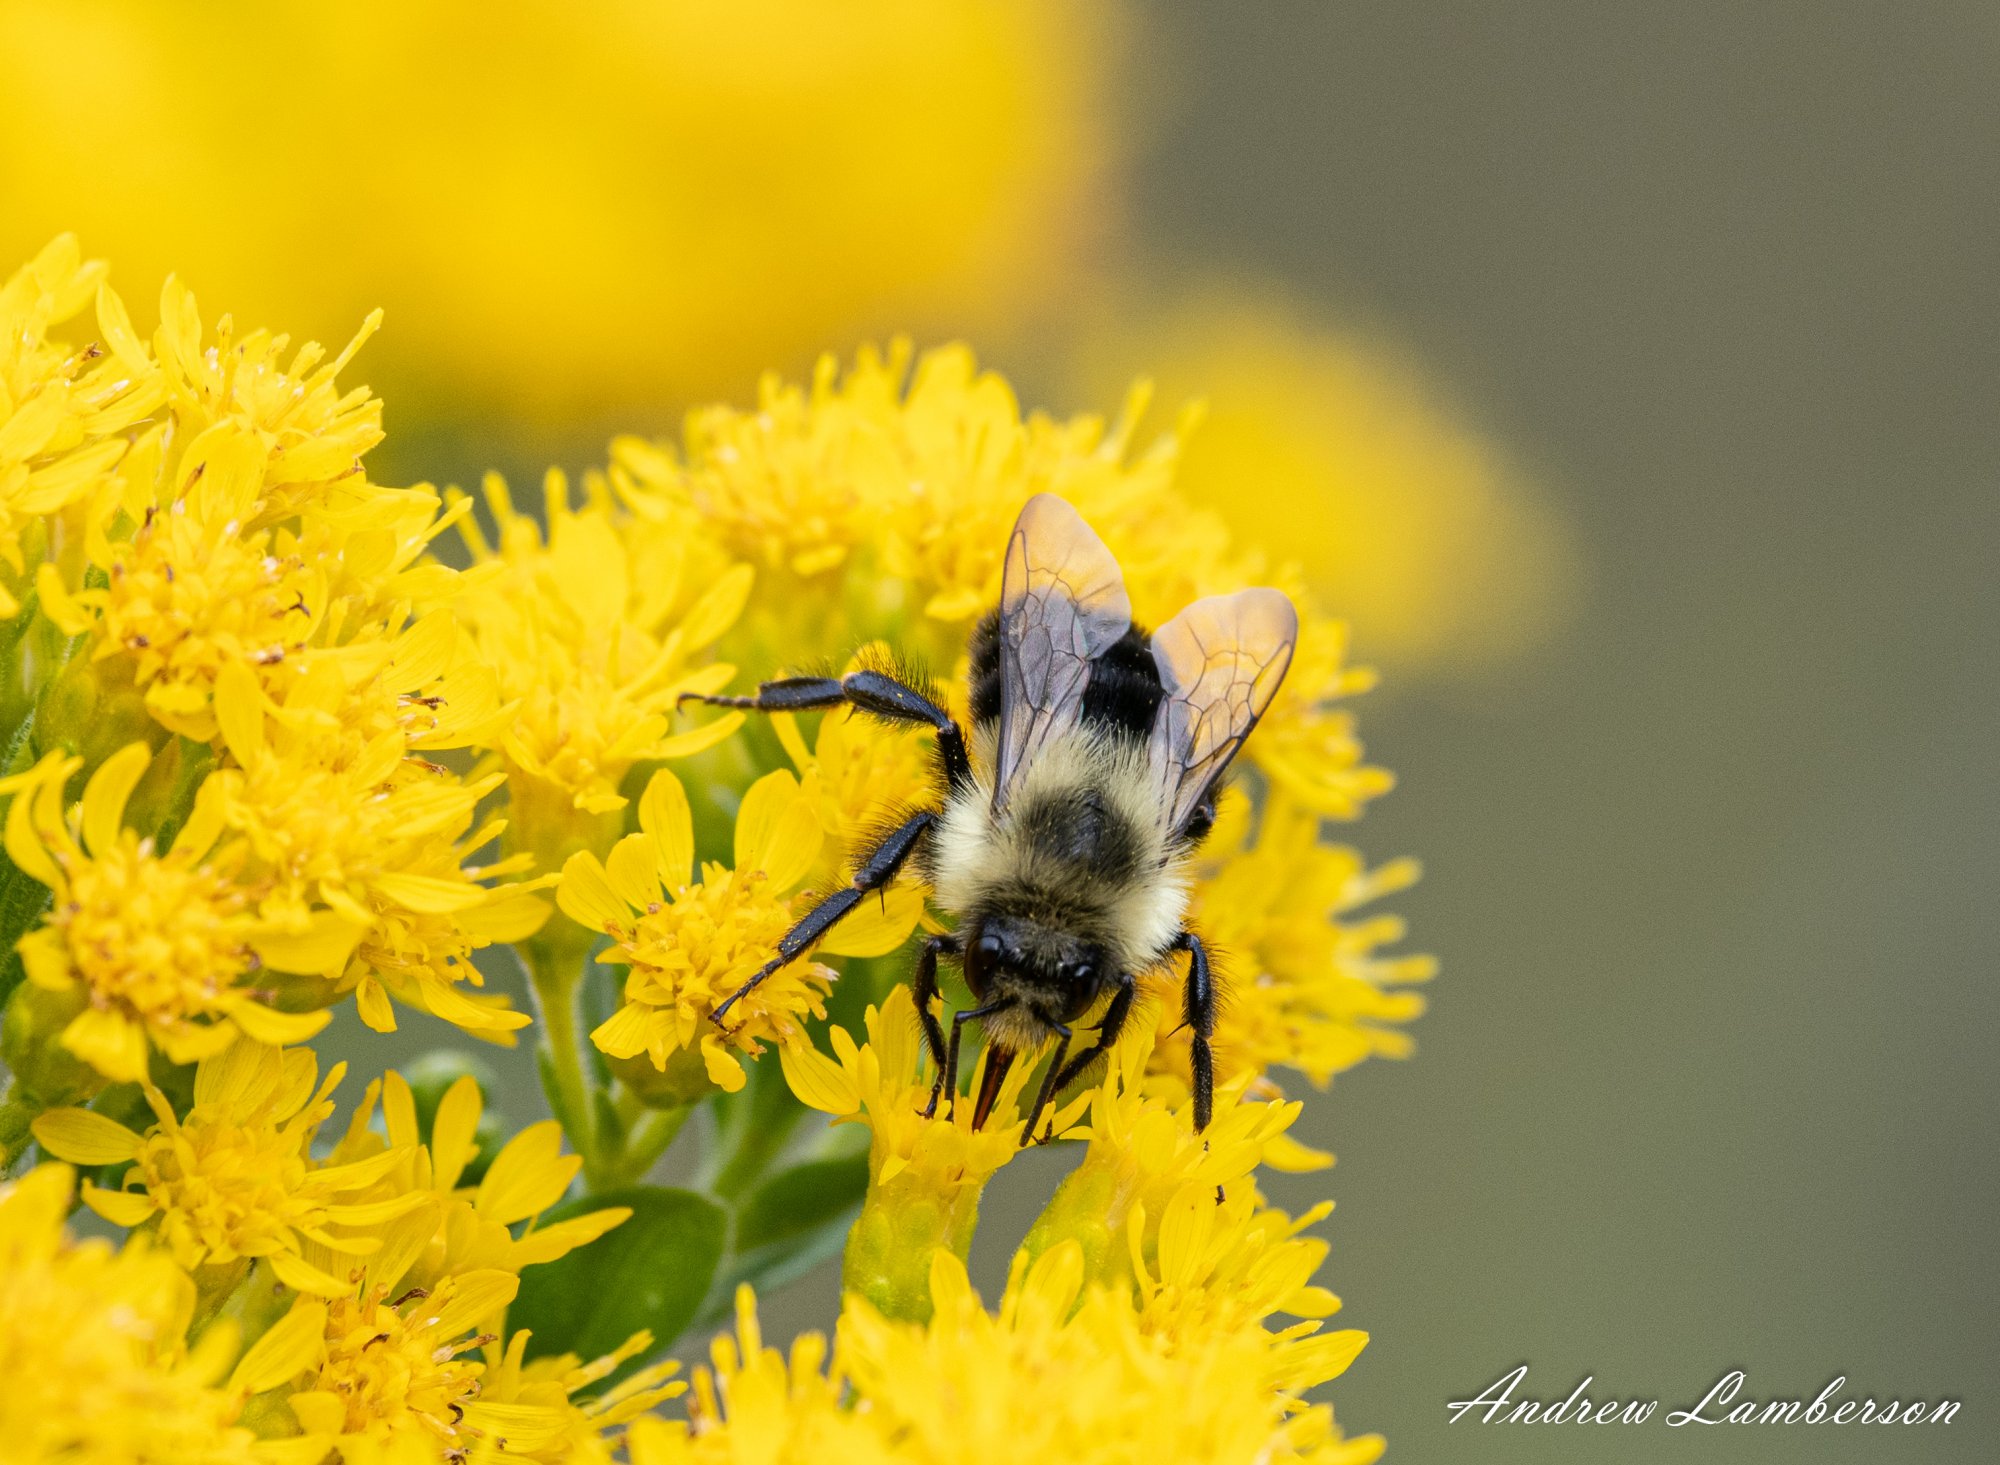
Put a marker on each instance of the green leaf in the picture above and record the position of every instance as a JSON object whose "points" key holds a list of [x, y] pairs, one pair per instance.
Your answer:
{"points": [[652, 1272], [801, 1199], [790, 1224]]}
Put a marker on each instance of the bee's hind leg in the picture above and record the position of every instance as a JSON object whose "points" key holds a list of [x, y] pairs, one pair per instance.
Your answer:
{"points": [[1198, 1009]]}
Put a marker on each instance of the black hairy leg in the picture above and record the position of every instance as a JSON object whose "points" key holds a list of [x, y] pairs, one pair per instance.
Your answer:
{"points": [[924, 988], [1198, 1011], [958, 1022], [1049, 1087], [873, 692], [1108, 1029], [877, 869]]}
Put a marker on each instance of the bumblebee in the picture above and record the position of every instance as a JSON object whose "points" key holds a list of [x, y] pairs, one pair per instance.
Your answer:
{"points": [[1067, 819]]}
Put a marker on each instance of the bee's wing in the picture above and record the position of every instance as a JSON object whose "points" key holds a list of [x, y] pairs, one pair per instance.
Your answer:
{"points": [[1220, 662], [1062, 605]]}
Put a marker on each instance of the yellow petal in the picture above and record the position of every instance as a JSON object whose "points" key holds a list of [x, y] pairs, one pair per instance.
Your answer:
{"points": [[509, 916], [371, 1005], [475, 1297], [399, 1111], [777, 830], [288, 1348], [632, 871], [586, 896], [422, 653], [453, 1131], [717, 610], [105, 796], [24, 841], [877, 926], [428, 894], [699, 739], [205, 823], [302, 1276], [1282, 1152], [528, 1176], [58, 604], [546, 1243], [239, 713], [320, 1413], [127, 1208], [268, 1025], [84, 1137], [626, 1032], [45, 958], [109, 1042], [725, 1070], [319, 949], [818, 1081], [666, 819]]}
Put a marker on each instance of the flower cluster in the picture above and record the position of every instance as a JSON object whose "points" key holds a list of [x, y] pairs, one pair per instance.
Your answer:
{"points": [[266, 751]]}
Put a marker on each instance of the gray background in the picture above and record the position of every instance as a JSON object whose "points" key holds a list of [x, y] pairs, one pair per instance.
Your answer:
{"points": [[1708, 1081]]}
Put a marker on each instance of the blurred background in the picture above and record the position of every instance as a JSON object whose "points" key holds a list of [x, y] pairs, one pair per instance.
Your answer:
{"points": [[1625, 373]]}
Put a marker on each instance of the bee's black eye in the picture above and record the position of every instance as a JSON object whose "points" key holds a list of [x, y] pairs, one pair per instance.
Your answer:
{"points": [[988, 947], [1080, 973]]}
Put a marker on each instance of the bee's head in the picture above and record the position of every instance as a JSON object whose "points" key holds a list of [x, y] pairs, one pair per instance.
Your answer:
{"points": [[1054, 971]]}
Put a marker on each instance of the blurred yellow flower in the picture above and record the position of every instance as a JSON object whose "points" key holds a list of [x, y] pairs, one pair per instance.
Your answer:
{"points": [[93, 1345], [235, 1178], [161, 946], [1309, 985], [1405, 519], [691, 943], [648, 207]]}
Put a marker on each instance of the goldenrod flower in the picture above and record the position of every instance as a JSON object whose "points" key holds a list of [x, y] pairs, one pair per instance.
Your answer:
{"points": [[1060, 1370], [64, 408], [162, 945], [756, 1406], [1310, 987], [691, 944], [475, 1227], [596, 631], [392, 1369], [550, 1418], [925, 1172], [236, 1178], [93, 1346], [358, 837], [239, 530]]}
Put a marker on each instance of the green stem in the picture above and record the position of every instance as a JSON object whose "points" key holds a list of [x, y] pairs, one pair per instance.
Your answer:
{"points": [[644, 1143], [16, 1114], [555, 970]]}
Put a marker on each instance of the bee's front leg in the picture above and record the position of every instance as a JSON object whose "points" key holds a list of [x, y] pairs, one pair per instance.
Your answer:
{"points": [[924, 988]]}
